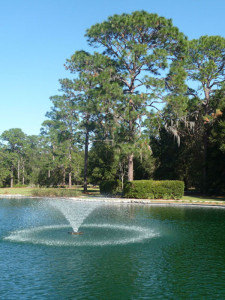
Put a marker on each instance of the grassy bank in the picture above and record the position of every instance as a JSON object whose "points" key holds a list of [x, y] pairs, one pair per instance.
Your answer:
{"points": [[93, 191], [49, 192], [16, 191], [41, 192], [203, 199]]}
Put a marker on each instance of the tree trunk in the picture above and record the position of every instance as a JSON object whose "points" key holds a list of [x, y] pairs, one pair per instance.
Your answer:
{"points": [[23, 179], [70, 179], [53, 151], [131, 140], [11, 179], [70, 167], [205, 142], [122, 181], [131, 167], [86, 160], [204, 169], [18, 171], [64, 177]]}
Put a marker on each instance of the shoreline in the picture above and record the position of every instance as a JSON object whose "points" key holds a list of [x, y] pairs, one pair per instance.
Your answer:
{"points": [[171, 202]]}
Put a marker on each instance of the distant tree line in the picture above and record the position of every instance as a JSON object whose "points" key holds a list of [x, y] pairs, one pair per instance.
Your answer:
{"points": [[149, 104]]}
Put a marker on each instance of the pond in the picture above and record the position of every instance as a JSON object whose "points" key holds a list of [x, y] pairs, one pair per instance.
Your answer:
{"points": [[126, 251]]}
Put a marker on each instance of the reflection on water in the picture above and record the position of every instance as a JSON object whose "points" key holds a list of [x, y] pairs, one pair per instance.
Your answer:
{"points": [[126, 252]]}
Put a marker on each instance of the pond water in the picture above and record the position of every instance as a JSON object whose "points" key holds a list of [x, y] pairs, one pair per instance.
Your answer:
{"points": [[126, 252]]}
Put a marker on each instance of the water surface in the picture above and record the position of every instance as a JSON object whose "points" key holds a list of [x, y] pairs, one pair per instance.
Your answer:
{"points": [[126, 252]]}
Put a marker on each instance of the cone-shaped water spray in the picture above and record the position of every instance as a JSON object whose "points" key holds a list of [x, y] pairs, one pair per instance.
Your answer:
{"points": [[74, 212]]}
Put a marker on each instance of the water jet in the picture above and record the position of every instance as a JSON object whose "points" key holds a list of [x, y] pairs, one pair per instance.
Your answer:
{"points": [[74, 212]]}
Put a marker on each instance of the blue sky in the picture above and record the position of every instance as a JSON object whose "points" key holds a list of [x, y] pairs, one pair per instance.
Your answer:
{"points": [[37, 36]]}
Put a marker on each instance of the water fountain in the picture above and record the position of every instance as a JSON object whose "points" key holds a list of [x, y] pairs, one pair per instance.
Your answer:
{"points": [[101, 228], [74, 212]]}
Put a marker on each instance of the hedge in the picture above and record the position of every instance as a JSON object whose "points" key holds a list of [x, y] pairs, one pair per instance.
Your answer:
{"points": [[150, 189], [110, 187]]}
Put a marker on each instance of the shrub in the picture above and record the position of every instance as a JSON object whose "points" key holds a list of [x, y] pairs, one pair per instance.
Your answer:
{"points": [[20, 185], [110, 187], [149, 189], [51, 192]]}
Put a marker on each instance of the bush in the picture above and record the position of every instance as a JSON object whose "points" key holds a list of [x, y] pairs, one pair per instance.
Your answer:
{"points": [[149, 189], [20, 185], [51, 192], [111, 187]]}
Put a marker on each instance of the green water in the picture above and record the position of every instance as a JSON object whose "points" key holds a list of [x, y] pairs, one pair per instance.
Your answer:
{"points": [[126, 252]]}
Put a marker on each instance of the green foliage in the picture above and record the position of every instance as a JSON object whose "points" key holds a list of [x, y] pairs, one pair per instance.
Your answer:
{"points": [[149, 189], [173, 162], [205, 60], [4, 167], [49, 192], [111, 187], [217, 134], [14, 150], [20, 185], [204, 63], [141, 47], [216, 152], [14, 138], [53, 179], [94, 92], [144, 162], [102, 163]]}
